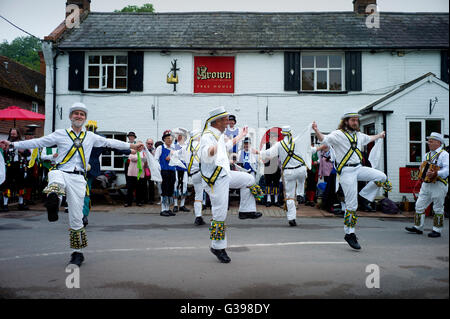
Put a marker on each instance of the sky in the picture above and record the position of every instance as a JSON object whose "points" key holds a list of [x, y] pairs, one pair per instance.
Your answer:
{"points": [[41, 17]]}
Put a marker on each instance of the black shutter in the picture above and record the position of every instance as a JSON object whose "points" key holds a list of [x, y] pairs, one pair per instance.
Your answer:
{"points": [[136, 62], [291, 62], [353, 72], [76, 71], [444, 66]]}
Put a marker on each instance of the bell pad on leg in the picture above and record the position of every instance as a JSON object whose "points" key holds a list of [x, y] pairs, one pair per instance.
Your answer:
{"points": [[387, 185], [78, 238], [438, 220], [350, 218], [217, 230], [55, 188], [257, 192]]}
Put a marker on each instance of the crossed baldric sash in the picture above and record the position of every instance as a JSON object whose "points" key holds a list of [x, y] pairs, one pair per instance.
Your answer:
{"points": [[194, 152], [433, 159], [290, 150], [212, 179], [353, 149], [77, 147]]}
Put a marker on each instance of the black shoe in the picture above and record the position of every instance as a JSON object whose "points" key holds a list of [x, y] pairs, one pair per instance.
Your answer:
{"points": [[434, 234], [184, 209], [66, 210], [352, 241], [199, 221], [5, 208], [52, 205], [171, 213], [221, 254], [175, 209], [292, 223], [251, 215], [268, 204], [76, 258], [300, 199], [165, 213], [85, 221], [22, 207], [414, 230]]}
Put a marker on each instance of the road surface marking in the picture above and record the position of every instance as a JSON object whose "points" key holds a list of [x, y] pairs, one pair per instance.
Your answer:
{"points": [[299, 243]]}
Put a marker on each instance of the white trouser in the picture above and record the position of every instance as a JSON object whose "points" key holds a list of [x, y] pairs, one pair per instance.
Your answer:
{"points": [[75, 187], [349, 178], [198, 188], [431, 193], [300, 180], [219, 198], [291, 178]]}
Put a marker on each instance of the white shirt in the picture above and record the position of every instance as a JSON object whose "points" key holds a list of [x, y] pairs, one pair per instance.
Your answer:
{"points": [[208, 163], [340, 143], [195, 164], [62, 140], [442, 162], [158, 151], [278, 150]]}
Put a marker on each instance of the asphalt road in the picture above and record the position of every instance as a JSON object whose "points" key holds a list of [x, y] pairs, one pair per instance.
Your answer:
{"points": [[144, 255]]}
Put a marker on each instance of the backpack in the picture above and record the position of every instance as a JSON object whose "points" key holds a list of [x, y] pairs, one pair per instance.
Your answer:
{"points": [[389, 207]]}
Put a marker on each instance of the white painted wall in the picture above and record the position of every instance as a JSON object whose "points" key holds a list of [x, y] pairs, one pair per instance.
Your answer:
{"points": [[412, 105], [259, 84]]}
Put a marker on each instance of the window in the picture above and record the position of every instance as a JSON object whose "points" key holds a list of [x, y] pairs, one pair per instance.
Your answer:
{"points": [[35, 107], [322, 72], [418, 130], [109, 161], [107, 72]]}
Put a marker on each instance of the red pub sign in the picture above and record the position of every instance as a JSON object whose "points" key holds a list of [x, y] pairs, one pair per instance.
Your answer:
{"points": [[409, 180], [214, 74]]}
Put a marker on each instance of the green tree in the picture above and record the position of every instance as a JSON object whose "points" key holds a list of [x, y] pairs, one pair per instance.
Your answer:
{"points": [[148, 7], [23, 50]]}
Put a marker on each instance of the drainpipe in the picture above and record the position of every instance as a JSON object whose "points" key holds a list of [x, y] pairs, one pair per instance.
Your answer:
{"points": [[385, 145], [54, 90]]}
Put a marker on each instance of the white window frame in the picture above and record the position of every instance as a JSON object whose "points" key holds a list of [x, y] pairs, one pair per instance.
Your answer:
{"points": [[113, 158], [34, 107], [104, 76], [423, 141], [327, 69]]}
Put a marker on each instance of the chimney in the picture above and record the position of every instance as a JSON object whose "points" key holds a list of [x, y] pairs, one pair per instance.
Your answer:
{"points": [[359, 6], [84, 5], [42, 65]]}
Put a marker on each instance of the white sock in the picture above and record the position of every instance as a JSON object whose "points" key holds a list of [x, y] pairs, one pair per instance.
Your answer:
{"points": [[269, 198], [175, 201], [5, 200], [182, 201], [276, 197], [20, 200]]}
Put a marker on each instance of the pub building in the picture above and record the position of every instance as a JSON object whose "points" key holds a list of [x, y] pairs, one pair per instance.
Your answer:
{"points": [[149, 72]]}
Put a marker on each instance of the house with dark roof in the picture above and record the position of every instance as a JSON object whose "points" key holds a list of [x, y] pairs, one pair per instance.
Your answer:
{"points": [[148, 72], [23, 87]]}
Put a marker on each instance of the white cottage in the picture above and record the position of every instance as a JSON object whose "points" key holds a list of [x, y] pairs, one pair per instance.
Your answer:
{"points": [[148, 72]]}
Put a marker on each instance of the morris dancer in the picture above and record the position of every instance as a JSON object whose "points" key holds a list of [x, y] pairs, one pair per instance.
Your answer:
{"points": [[433, 192], [347, 142], [68, 176], [193, 170], [218, 179]]}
